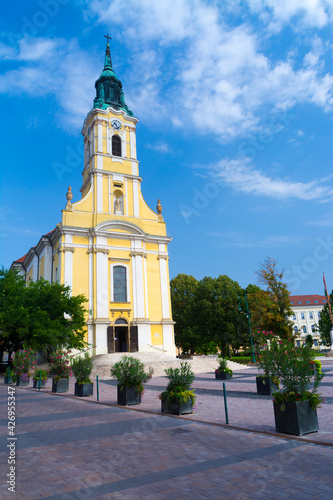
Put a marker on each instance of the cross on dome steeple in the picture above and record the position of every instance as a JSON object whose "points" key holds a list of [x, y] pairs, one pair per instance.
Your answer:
{"points": [[109, 90]]}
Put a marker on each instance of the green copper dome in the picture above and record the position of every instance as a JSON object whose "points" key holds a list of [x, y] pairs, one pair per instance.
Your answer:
{"points": [[109, 90]]}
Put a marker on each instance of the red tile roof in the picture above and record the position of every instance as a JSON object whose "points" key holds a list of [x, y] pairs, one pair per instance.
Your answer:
{"points": [[307, 300], [21, 259]]}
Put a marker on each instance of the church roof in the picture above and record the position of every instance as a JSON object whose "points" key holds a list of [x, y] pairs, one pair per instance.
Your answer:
{"points": [[21, 260], [307, 300], [109, 90]]}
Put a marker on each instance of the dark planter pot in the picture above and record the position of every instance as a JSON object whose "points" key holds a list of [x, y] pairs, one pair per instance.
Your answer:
{"points": [[223, 375], [175, 408], [36, 384], [128, 396], [82, 390], [295, 417], [8, 380], [22, 383], [265, 386], [61, 385]]}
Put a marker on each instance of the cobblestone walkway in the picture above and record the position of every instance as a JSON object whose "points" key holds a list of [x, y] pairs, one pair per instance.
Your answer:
{"points": [[69, 448]]}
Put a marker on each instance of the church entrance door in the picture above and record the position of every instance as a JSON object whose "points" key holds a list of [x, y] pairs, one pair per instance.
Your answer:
{"points": [[121, 339]]}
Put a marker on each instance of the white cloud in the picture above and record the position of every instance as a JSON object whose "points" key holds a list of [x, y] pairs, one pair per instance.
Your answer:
{"points": [[215, 75], [241, 176], [246, 240], [160, 147], [300, 13], [53, 67]]}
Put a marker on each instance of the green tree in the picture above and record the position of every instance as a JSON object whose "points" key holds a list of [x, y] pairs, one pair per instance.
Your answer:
{"points": [[14, 316], [271, 308], [325, 322], [217, 312], [183, 289], [39, 315]]}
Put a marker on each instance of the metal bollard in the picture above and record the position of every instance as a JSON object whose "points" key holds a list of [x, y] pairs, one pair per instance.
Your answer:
{"points": [[225, 404], [97, 388]]}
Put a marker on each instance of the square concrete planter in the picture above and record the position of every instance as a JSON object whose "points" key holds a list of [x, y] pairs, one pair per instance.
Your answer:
{"points": [[175, 408], [36, 384], [22, 383], [61, 385], [265, 386], [8, 380], [295, 417], [82, 390], [127, 396], [222, 375]]}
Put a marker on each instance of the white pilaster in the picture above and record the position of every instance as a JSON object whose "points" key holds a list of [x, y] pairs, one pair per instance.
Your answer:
{"points": [[68, 270], [136, 207], [100, 138], [146, 286], [102, 294], [99, 193], [133, 145], [164, 288], [91, 278], [101, 338]]}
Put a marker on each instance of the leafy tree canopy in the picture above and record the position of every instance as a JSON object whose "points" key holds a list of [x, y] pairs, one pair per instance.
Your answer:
{"points": [[271, 308], [40, 315], [183, 289]]}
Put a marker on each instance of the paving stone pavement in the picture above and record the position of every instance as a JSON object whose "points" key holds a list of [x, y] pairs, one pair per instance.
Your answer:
{"points": [[76, 448]]}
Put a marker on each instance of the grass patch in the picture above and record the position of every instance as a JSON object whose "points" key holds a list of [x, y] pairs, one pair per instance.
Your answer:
{"points": [[244, 360]]}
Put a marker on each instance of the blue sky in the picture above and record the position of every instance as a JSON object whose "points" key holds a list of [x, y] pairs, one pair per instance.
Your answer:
{"points": [[235, 108]]}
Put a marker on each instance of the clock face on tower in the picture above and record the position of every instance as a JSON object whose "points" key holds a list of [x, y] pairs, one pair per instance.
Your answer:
{"points": [[116, 124]]}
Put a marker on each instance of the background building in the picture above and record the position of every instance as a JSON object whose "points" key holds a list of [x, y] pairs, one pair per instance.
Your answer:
{"points": [[306, 316]]}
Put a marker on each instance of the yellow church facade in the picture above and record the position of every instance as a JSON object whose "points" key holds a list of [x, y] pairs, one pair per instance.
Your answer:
{"points": [[110, 246]]}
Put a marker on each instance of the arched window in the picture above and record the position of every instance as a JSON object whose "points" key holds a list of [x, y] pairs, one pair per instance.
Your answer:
{"points": [[120, 321], [119, 284], [313, 328], [304, 329], [295, 329], [116, 145]]}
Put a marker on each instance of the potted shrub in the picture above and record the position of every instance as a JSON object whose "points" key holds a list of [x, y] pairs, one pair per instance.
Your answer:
{"points": [[295, 408], [178, 398], [223, 372], [22, 362], [265, 354], [40, 375], [60, 367], [82, 368], [130, 374]]}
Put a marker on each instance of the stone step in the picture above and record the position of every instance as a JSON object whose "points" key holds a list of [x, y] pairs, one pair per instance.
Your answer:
{"points": [[200, 364]]}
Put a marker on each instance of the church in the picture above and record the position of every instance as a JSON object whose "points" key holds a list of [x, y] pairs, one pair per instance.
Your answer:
{"points": [[110, 245]]}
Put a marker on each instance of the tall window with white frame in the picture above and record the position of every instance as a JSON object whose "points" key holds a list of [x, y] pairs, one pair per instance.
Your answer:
{"points": [[119, 284], [116, 145]]}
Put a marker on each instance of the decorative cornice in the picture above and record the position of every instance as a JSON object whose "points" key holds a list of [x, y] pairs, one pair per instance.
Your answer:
{"points": [[64, 248], [138, 253], [163, 256], [121, 310], [118, 259]]}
